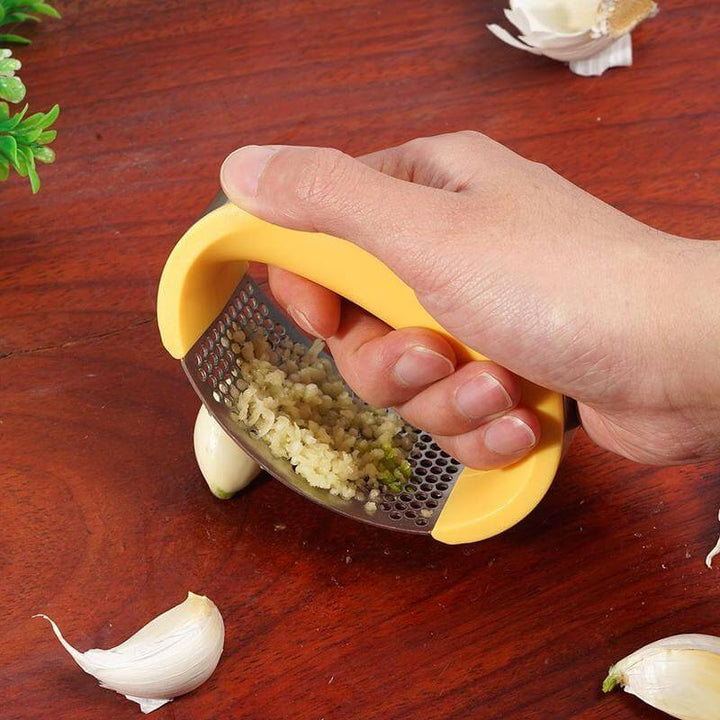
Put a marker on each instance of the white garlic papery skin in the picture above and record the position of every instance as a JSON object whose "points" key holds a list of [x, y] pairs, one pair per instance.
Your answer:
{"points": [[224, 465], [579, 32], [679, 675], [172, 655]]}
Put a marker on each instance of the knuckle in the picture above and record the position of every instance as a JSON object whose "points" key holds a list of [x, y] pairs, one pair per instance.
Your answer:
{"points": [[359, 380], [474, 460], [472, 134], [422, 148], [469, 455], [321, 175], [474, 139], [420, 143], [475, 455], [370, 390]]}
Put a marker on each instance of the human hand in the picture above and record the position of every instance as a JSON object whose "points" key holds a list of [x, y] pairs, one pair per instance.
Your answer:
{"points": [[521, 265]]}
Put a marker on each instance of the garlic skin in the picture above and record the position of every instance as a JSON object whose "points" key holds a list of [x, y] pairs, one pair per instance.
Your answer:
{"points": [[590, 35], [170, 656], [679, 675], [224, 465]]}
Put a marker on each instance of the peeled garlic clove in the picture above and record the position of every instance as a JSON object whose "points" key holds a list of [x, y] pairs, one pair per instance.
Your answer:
{"points": [[224, 465], [172, 655], [679, 675]]}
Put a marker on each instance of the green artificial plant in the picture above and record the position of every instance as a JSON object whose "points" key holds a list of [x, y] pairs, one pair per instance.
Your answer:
{"points": [[23, 139], [13, 12]]}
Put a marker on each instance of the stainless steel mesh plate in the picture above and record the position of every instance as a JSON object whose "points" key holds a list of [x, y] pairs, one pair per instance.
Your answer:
{"points": [[212, 367]]}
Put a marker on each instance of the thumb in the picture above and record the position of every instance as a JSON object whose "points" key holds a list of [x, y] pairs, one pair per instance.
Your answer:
{"points": [[324, 190]]}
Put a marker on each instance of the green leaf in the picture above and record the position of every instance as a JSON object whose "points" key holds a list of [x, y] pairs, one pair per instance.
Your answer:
{"points": [[46, 137], [11, 86], [19, 11], [51, 116], [44, 154], [41, 120], [28, 137], [20, 165], [34, 179], [12, 89], [18, 17], [26, 152], [33, 121], [12, 122], [8, 65], [46, 9], [11, 8], [23, 142], [8, 147], [17, 39]]}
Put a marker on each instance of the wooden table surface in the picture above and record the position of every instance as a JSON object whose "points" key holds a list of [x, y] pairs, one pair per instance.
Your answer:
{"points": [[105, 519]]}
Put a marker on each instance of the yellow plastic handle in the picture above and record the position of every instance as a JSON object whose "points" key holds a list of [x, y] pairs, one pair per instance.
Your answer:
{"points": [[211, 258]]}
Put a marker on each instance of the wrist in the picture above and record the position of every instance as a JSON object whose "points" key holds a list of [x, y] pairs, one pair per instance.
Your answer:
{"points": [[691, 322]]}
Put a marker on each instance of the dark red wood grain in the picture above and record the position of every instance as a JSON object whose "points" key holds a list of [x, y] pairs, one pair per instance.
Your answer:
{"points": [[105, 519]]}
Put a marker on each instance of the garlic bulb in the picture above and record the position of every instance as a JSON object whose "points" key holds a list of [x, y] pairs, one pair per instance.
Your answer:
{"points": [[590, 35], [224, 465], [714, 552], [172, 655], [679, 675]]}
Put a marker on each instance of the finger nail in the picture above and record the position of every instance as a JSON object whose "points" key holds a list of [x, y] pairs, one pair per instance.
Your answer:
{"points": [[420, 366], [482, 396], [509, 435], [241, 172], [303, 321]]}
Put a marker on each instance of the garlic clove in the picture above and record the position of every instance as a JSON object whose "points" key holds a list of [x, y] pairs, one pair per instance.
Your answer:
{"points": [[590, 35], [679, 675], [569, 17], [223, 463], [170, 656]]}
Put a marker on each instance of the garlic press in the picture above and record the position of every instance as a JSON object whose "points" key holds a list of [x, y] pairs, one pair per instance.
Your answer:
{"points": [[205, 293]]}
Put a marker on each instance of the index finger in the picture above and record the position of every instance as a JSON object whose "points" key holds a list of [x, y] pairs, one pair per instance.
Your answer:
{"points": [[315, 309]]}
